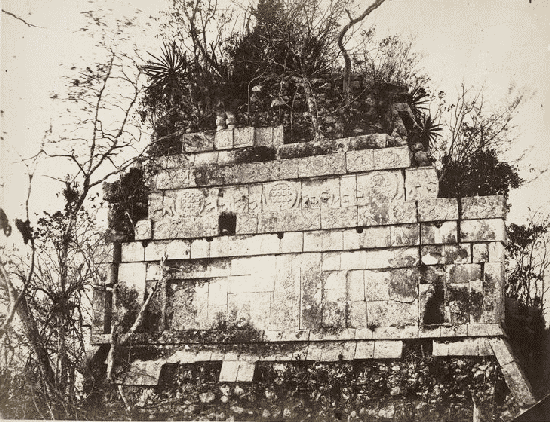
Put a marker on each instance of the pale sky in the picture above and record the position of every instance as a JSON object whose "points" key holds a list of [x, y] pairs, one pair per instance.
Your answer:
{"points": [[490, 43]]}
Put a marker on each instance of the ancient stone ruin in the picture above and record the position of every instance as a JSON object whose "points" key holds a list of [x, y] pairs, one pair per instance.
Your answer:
{"points": [[341, 250]]}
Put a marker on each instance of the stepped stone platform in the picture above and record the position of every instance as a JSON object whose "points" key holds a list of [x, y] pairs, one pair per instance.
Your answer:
{"points": [[336, 250]]}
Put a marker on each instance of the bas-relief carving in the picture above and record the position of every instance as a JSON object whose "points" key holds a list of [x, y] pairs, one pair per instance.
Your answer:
{"points": [[376, 187]]}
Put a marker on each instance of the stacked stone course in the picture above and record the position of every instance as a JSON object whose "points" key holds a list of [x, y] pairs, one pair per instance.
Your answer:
{"points": [[340, 250]]}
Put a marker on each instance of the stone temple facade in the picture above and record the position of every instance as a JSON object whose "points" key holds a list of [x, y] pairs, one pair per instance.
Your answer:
{"points": [[336, 250]]}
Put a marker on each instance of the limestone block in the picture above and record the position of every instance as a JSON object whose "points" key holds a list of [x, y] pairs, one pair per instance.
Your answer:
{"points": [[359, 161], [466, 347], [311, 291], [334, 307], [463, 273], [232, 199], [485, 330], [299, 220], [246, 371], [493, 288], [358, 314], [269, 244], [284, 169], [330, 261], [323, 194], [480, 252], [375, 140], [217, 293], [198, 142], [377, 285], [389, 349], [263, 136], [173, 179], [482, 230], [175, 161], [377, 259], [246, 224], [203, 268], [375, 237], [440, 348], [200, 248], [476, 301], [355, 260], [405, 235], [502, 350], [252, 265], [132, 252], [278, 136], [251, 307], [398, 333], [445, 254], [106, 274], [383, 213], [210, 175], [496, 251], [323, 240], [364, 333], [364, 350], [154, 209], [380, 187], [143, 373], [429, 331], [205, 158], [226, 157], [99, 322], [319, 165], [172, 249], [250, 173], [243, 137], [439, 232], [334, 218], [433, 274], [291, 242], [518, 384], [403, 285], [132, 276], [223, 139], [404, 257], [187, 228], [421, 183], [143, 230], [454, 331], [286, 296], [257, 283], [392, 158], [478, 207], [438, 209], [281, 195], [187, 305], [356, 285], [348, 190], [153, 271], [229, 371], [459, 303]]}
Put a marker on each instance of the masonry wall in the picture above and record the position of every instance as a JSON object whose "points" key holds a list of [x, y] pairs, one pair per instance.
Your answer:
{"points": [[351, 239]]}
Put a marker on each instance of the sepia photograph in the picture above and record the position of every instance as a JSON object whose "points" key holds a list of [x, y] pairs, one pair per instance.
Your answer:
{"points": [[275, 210]]}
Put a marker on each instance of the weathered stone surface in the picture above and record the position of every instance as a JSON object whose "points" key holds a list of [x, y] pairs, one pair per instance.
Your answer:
{"points": [[291, 242], [403, 286], [154, 209], [478, 207], [463, 273], [132, 252], [476, 301], [334, 218], [173, 179], [143, 373], [518, 384], [311, 291], [284, 169], [392, 158], [285, 308], [223, 139], [99, 322], [454, 331], [387, 349], [459, 303], [330, 261], [438, 209], [445, 254], [172, 249], [421, 183], [383, 213], [364, 350], [201, 268], [377, 285], [205, 158], [380, 187], [226, 157], [197, 142], [323, 194], [251, 307], [356, 285], [263, 136], [358, 314], [106, 274], [322, 165], [439, 233], [281, 195], [502, 350], [405, 235], [359, 161], [132, 276], [485, 330], [496, 251], [243, 137], [480, 252], [353, 260], [482, 230], [153, 271], [229, 371], [246, 371], [334, 301], [278, 136], [246, 224], [143, 230], [323, 240]]}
